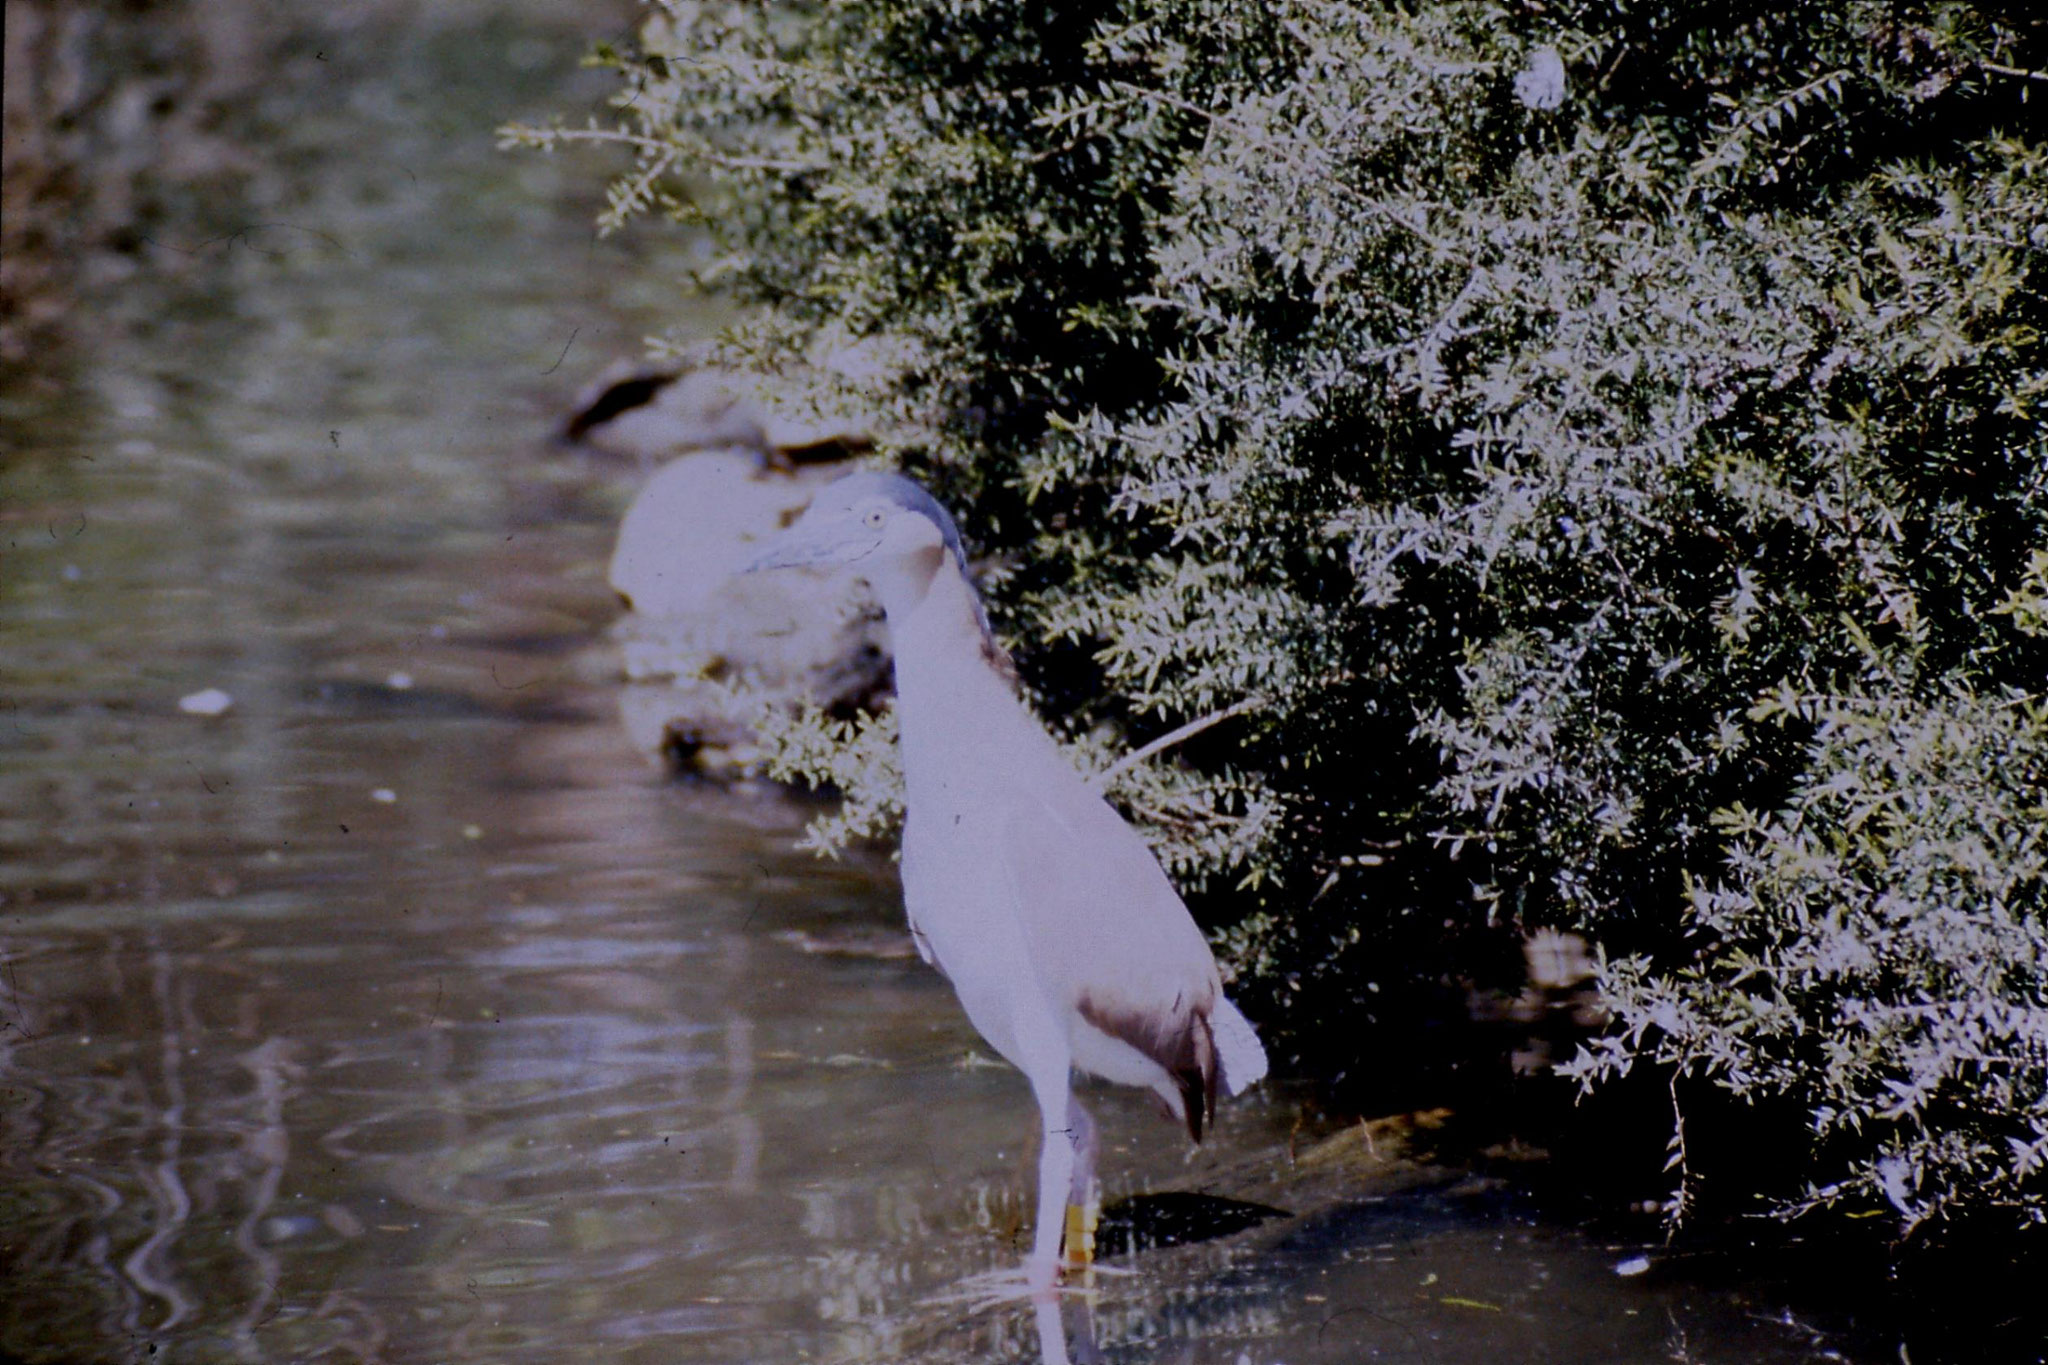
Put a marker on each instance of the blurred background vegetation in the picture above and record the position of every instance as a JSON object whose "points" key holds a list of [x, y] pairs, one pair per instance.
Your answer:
{"points": [[1584, 459], [114, 122]]}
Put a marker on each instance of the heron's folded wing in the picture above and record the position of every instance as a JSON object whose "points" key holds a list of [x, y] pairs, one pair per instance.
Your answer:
{"points": [[1097, 911], [1108, 937]]}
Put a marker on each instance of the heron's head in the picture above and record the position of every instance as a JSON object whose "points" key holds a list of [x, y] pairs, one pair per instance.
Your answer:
{"points": [[865, 520], [890, 532]]}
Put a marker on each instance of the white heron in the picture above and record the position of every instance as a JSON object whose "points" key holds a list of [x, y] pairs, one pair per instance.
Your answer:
{"points": [[1067, 944]]}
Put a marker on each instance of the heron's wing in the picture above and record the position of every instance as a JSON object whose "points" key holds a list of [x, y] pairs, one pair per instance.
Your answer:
{"points": [[1108, 937]]}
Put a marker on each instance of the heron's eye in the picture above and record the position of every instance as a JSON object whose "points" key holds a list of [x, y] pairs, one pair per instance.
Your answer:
{"points": [[873, 518]]}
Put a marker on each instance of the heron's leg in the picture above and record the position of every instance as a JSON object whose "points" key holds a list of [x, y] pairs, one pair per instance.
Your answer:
{"points": [[1084, 1203], [1081, 1132], [1055, 1178]]}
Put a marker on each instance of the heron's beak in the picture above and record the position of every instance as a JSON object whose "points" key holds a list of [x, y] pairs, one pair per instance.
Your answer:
{"points": [[804, 547]]}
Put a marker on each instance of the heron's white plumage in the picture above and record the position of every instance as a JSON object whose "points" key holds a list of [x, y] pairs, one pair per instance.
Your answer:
{"points": [[1067, 944], [1013, 864]]}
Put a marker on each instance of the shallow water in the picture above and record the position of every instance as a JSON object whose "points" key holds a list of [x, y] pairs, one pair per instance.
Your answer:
{"points": [[401, 1012]]}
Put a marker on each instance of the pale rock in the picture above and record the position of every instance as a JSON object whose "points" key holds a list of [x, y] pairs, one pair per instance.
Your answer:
{"points": [[697, 624]]}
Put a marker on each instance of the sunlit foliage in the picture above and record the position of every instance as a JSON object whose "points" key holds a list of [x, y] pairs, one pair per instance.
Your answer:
{"points": [[1593, 451]]}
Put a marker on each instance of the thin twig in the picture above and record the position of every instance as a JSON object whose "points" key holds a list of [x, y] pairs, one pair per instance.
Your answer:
{"points": [[663, 147], [1173, 737], [2019, 71]]}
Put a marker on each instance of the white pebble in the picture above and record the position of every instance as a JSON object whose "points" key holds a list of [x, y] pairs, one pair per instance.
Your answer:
{"points": [[210, 702], [399, 682], [384, 794], [1634, 1265]]}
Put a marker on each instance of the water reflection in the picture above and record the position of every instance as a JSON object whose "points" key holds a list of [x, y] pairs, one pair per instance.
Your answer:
{"points": [[449, 1114]]}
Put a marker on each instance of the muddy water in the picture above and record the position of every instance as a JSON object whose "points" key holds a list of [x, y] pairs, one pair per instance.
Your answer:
{"points": [[399, 1012]]}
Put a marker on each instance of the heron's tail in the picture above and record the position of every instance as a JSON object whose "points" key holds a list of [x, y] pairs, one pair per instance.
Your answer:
{"points": [[1238, 1051]]}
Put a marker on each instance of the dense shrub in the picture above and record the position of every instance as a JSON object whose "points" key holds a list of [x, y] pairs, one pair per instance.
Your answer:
{"points": [[1584, 458]]}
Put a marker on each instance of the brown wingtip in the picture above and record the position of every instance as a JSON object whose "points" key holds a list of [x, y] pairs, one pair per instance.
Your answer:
{"points": [[1182, 1043], [1198, 1084]]}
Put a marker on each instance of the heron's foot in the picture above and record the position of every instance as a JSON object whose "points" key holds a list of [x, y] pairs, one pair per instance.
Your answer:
{"points": [[995, 1289], [1042, 1278], [1033, 1282]]}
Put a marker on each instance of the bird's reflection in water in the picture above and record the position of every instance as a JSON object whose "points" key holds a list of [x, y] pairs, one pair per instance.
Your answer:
{"points": [[1068, 1336], [1063, 1316]]}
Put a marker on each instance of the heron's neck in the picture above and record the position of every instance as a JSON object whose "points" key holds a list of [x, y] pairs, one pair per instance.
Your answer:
{"points": [[959, 715]]}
